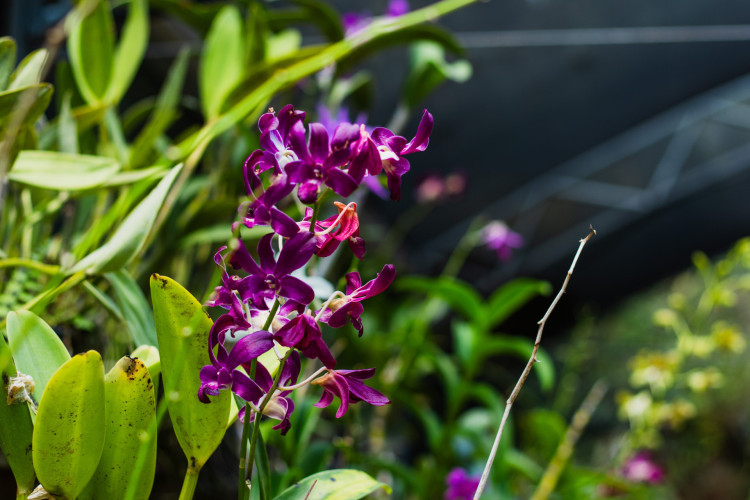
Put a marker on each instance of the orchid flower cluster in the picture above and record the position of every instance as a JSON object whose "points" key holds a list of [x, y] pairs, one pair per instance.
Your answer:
{"points": [[269, 308]]}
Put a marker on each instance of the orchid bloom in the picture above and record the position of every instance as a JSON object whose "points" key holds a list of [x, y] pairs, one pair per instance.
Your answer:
{"points": [[348, 308], [347, 386]]}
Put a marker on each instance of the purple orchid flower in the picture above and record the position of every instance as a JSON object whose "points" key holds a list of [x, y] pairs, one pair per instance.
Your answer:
{"points": [[498, 236], [642, 469], [303, 333], [327, 239], [319, 161], [349, 308], [392, 148], [220, 374], [280, 407], [461, 486], [397, 8], [271, 278], [346, 385]]}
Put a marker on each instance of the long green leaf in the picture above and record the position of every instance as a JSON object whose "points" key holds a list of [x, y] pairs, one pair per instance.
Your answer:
{"points": [[135, 308], [223, 60], [130, 51], [130, 237], [183, 328], [7, 60], [131, 410], [16, 429], [165, 110], [337, 484], [29, 70], [91, 52], [62, 171], [508, 298], [458, 294], [150, 357], [36, 348], [69, 431], [10, 98]]}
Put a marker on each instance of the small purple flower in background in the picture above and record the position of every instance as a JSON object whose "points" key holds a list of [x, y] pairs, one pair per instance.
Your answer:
{"points": [[498, 236], [397, 8], [346, 385], [461, 486], [436, 188], [641, 468]]}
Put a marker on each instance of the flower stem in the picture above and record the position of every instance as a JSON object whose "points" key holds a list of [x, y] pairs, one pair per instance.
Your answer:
{"points": [[266, 400], [241, 488], [189, 484], [316, 210]]}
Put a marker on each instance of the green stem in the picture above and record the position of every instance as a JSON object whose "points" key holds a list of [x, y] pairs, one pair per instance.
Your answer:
{"points": [[241, 489], [316, 209], [266, 400], [464, 247], [29, 264], [189, 484]]}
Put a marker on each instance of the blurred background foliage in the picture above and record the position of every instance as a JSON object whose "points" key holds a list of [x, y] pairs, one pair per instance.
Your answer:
{"points": [[105, 181]]}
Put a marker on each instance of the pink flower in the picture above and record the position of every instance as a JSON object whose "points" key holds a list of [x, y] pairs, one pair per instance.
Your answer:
{"points": [[498, 236], [642, 469], [461, 486]]}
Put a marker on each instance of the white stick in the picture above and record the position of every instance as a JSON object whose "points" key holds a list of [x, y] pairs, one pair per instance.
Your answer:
{"points": [[527, 370]]}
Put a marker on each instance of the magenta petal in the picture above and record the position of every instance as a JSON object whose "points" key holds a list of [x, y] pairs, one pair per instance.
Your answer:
{"points": [[318, 142], [296, 253], [241, 258], [282, 224], [380, 283], [325, 400], [339, 317], [422, 138], [265, 253], [296, 289], [363, 393], [341, 182], [353, 282], [249, 347], [244, 387]]}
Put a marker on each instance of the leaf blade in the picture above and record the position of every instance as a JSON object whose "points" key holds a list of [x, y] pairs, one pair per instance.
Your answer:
{"points": [[336, 484]]}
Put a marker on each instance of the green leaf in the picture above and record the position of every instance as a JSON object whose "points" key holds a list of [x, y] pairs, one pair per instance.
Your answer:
{"points": [[256, 27], [9, 102], [130, 237], [69, 431], [165, 110], [337, 484], [466, 339], [283, 44], [131, 410], [505, 344], [7, 60], [67, 128], [130, 50], [150, 357], [29, 71], [510, 297], [36, 348], [458, 294], [430, 69], [91, 51], [223, 60], [16, 428], [62, 171], [324, 16], [183, 328], [135, 308], [133, 176]]}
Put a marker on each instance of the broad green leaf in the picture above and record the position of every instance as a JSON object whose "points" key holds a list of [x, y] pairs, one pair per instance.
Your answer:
{"points": [[67, 128], [130, 51], [131, 410], [466, 339], [150, 357], [62, 171], [183, 328], [430, 69], [511, 296], [16, 428], [135, 308], [283, 44], [29, 71], [133, 176], [458, 294], [336, 484], [505, 344], [9, 102], [223, 60], [128, 240], [7, 60], [164, 112], [36, 348], [91, 52], [69, 430]]}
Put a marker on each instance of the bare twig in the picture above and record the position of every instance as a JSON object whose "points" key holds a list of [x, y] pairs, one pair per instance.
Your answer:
{"points": [[527, 370], [565, 448]]}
